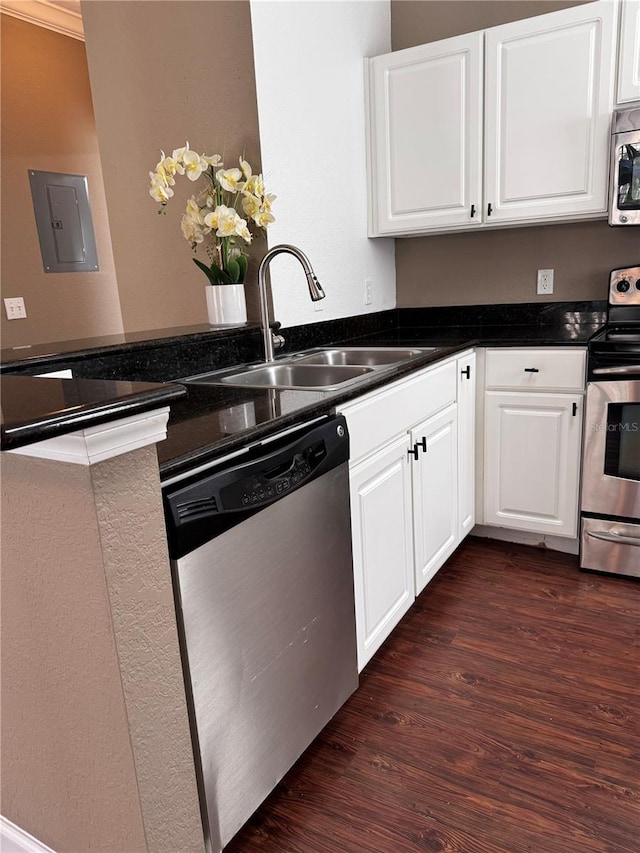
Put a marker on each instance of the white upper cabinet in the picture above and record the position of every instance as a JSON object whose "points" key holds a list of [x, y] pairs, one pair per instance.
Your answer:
{"points": [[549, 85], [425, 114], [506, 126], [629, 53]]}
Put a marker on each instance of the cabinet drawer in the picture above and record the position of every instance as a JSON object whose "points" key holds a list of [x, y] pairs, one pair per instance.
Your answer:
{"points": [[536, 369], [378, 417]]}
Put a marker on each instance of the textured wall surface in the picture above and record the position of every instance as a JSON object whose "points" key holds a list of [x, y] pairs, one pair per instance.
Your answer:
{"points": [[96, 750], [48, 125], [310, 83], [131, 524], [161, 74], [68, 774], [498, 266]]}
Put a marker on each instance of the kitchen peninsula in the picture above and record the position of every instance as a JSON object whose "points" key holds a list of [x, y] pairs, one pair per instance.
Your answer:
{"points": [[91, 645]]}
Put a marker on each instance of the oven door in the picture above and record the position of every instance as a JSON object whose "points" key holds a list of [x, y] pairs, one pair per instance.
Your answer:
{"points": [[611, 463], [624, 206]]}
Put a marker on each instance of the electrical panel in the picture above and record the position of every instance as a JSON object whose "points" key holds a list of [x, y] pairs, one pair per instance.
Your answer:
{"points": [[63, 218]]}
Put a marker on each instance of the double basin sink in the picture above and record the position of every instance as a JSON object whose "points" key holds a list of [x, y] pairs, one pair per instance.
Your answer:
{"points": [[325, 369]]}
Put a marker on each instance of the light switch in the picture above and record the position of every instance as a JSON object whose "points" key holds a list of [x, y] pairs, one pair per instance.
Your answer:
{"points": [[14, 306]]}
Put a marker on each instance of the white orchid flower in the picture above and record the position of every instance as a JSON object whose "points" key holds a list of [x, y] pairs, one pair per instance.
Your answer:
{"points": [[246, 168], [255, 185], [242, 229], [263, 219], [250, 205], [214, 160], [194, 165], [170, 167], [194, 211], [178, 153], [223, 219], [229, 179], [159, 190], [266, 202]]}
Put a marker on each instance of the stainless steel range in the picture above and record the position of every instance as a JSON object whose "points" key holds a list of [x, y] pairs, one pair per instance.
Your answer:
{"points": [[611, 461]]}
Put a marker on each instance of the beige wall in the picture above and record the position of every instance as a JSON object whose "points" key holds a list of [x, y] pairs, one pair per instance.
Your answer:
{"points": [[161, 74], [96, 751], [68, 773], [48, 125], [501, 266], [498, 266]]}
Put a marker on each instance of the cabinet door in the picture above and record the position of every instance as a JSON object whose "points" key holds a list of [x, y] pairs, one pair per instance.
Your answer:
{"points": [[532, 456], [382, 544], [548, 107], [629, 53], [435, 493], [466, 443], [425, 126]]}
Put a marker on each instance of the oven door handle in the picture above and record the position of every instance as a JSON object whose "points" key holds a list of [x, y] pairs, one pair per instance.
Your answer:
{"points": [[620, 538], [616, 371]]}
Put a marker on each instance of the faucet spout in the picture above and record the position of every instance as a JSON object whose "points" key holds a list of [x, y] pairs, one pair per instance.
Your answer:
{"points": [[315, 292]]}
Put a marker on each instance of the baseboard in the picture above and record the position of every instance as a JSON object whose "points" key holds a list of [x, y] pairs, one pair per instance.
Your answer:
{"points": [[16, 840], [524, 537]]}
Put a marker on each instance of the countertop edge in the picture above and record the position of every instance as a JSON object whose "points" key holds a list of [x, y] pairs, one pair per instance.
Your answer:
{"points": [[63, 422]]}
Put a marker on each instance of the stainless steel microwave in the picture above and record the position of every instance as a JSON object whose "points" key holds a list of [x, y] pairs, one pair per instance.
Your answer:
{"points": [[624, 197]]}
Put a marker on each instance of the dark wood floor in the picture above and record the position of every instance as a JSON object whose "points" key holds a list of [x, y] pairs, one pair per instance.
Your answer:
{"points": [[500, 716]]}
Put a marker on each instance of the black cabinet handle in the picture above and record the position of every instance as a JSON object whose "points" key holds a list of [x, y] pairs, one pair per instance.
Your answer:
{"points": [[531, 370], [415, 450], [575, 409], [489, 209], [473, 210], [466, 371]]}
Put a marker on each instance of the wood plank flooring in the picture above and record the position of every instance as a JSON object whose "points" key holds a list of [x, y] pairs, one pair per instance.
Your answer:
{"points": [[500, 717]]}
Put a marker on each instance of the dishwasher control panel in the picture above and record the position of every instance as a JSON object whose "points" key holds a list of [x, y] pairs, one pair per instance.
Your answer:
{"points": [[271, 484], [210, 503]]}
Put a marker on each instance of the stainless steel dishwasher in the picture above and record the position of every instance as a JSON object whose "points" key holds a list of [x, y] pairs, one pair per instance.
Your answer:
{"points": [[260, 550]]}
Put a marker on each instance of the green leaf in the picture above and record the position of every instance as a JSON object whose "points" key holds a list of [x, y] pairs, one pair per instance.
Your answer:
{"points": [[233, 268], [243, 263], [225, 278], [216, 274], [205, 269]]}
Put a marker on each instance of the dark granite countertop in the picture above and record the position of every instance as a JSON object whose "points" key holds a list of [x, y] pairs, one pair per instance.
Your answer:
{"points": [[69, 351], [36, 409], [215, 419], [209, 421]]}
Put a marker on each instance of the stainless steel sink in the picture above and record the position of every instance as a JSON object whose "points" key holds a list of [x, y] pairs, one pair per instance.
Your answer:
{"points": [[324, 369], [304, 377], [367, 356]]}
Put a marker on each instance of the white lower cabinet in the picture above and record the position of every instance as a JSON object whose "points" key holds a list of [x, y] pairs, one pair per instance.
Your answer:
{"points": [[381, 517], [435, 493], [532, 439], [410, 467], [532, 461]]}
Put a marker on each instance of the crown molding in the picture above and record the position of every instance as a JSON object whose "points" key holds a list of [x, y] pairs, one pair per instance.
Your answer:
{"points": [[45, 13]]}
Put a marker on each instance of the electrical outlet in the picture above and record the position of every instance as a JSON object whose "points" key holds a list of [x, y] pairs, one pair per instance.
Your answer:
{"points": [[545, 282], [368, 291], [15, 308]]}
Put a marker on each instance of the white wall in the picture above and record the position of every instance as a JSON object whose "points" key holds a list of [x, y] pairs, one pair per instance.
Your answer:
{"points": [[308, 58]]}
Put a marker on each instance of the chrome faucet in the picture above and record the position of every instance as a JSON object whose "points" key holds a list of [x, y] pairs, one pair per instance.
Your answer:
{"points": [[316, 292]]}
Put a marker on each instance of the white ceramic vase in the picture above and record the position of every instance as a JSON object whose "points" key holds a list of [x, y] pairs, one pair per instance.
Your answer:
{"points": [[226, 304]]}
